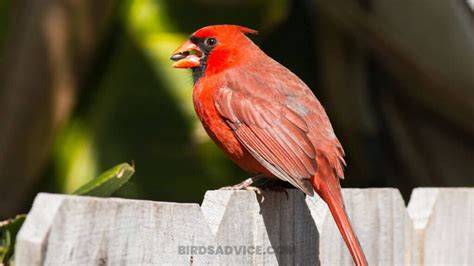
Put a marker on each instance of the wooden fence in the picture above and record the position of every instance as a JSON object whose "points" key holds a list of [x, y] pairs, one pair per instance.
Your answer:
{"points": [[234, 227]]}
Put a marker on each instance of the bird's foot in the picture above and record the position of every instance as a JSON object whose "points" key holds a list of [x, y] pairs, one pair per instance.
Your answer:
{"points": [[257, 190], [240, 187], [247, 185], [244, 184]]}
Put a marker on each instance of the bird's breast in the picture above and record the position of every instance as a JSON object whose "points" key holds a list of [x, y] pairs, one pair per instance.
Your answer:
{"points": [[213, 123]]}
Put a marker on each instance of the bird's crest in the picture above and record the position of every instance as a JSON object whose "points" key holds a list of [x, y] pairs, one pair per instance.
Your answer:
{"points": [[222, 30], [244, 30]]}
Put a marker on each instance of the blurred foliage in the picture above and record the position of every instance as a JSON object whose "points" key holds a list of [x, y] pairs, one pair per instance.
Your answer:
{"points": [[8, 231], [137, 108], [74, 156], [109, 61]]}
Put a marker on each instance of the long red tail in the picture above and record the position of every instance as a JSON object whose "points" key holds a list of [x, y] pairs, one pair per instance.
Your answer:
{"points": [[329, 189]]}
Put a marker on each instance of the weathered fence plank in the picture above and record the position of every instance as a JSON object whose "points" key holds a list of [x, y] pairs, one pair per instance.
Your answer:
{"points": [[34, 232], [280, 228], [443, 220], [380, 220], [97, 231], [236, 227]]}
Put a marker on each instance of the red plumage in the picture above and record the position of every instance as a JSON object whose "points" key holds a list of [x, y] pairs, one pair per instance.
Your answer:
{"points": [[265, 118]]}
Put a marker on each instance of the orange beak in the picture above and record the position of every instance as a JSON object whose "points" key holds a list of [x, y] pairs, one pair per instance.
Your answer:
{"points": [[187, 55]]}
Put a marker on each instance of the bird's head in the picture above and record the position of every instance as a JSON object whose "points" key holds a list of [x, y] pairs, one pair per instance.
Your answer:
{"points": [[213, 48]]}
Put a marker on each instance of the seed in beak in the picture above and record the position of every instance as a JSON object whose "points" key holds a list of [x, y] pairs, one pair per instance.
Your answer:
{"points": [[179, 56]]}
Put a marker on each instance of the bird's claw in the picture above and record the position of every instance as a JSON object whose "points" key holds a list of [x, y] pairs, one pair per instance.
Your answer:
{"points": [[234, 187], [257, 190], [240, 187], [247, 185]]}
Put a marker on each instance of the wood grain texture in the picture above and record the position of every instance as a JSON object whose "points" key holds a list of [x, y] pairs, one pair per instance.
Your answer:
{"points": [[380, 221], [237, 227], [32, 239], [280, 228], [96, 231], [443, 220]]}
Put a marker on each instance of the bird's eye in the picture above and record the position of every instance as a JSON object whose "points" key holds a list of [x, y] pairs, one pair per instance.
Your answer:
{"points": [[211, 42]]}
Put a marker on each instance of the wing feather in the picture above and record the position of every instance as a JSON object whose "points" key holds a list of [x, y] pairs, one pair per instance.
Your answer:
{"points": [[278, 143], [279, 121]]}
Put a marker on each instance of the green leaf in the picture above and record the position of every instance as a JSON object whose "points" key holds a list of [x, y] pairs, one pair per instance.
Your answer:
{"points": [[8, 231], [108, 182]]}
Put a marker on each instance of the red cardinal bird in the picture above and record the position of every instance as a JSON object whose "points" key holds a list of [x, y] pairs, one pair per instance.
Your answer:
{"points": [[265, 118]]}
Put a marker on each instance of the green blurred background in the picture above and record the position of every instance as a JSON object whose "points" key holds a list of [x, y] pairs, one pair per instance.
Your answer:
{"points": [[85, 85]]}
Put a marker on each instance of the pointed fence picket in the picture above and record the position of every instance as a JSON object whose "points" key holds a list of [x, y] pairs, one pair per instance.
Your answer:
{"points": [[237, 227]]}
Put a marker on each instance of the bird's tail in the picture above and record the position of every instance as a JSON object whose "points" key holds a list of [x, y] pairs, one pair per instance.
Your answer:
{"points": [[326, 184]]}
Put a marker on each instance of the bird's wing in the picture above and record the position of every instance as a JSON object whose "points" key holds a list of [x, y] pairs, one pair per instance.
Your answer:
{"points": [[273, 132]]}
